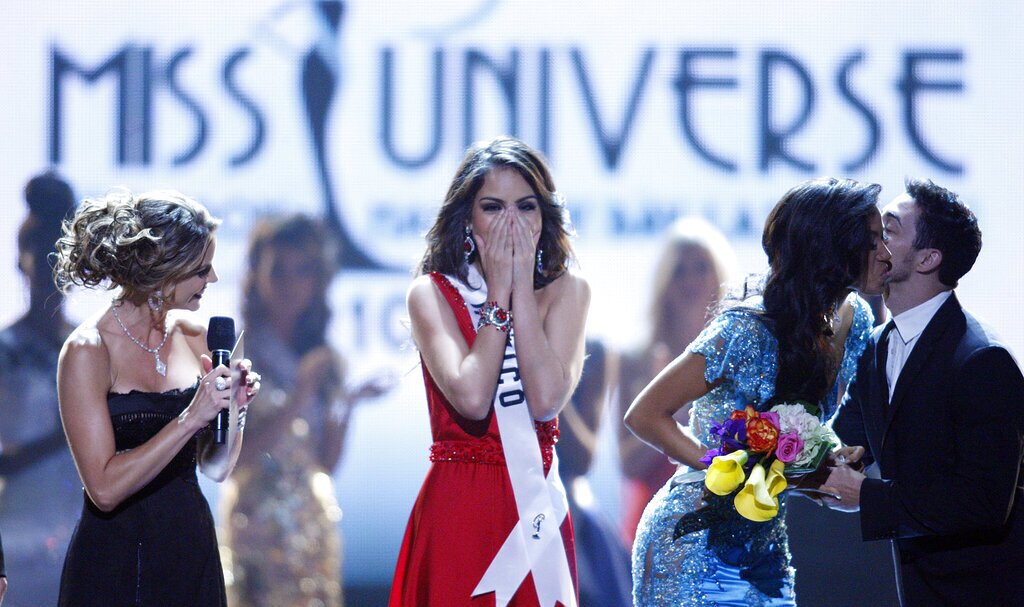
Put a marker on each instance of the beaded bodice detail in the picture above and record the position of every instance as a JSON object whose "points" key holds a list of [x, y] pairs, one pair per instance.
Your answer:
{"points": [[138, 416]]}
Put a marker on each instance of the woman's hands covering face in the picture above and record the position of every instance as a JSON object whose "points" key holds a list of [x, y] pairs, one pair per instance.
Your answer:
{"points": [[524, 252], [496, 254]]}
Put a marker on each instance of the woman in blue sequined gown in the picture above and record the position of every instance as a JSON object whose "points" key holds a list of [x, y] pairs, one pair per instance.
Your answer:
{"points": [[137, 392], [797, 337]]}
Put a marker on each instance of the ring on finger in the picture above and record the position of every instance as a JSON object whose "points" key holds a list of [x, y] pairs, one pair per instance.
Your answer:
{"points": [[220, 383]]}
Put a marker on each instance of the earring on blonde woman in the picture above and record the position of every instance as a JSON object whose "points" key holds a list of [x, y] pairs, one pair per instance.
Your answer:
{"points": [[155, 300]]}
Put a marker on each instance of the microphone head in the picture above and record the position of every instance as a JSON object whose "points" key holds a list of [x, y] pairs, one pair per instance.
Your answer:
{"points": [[221, 334]]}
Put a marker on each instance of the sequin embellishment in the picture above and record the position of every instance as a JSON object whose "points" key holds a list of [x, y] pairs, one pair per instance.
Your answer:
{"points": [[735, 561]]}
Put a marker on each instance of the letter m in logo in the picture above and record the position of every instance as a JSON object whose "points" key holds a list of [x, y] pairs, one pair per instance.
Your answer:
{"points": [[131, 66]]}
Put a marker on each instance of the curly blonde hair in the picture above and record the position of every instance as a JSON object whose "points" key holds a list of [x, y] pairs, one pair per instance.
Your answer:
{"points": [[139, 243]]}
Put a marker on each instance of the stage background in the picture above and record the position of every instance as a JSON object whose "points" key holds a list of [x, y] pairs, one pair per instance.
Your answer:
{"points": [[647, 111]]}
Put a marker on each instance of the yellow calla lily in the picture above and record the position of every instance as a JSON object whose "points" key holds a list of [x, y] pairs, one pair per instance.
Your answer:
{"points": [[753, 501], [726, 473], [776, 481]]}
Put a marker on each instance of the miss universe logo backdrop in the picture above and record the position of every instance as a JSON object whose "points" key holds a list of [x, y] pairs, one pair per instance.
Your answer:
{"points": [[360, 111]]}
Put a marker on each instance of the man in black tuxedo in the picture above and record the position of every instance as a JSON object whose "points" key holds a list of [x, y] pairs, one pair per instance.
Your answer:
{"points": [[938, 403]]}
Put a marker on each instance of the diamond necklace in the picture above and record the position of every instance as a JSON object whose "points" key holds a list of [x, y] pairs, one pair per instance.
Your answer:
{"points": [[161, 366]]}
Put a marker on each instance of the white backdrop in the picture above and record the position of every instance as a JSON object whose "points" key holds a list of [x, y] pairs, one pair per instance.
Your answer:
{"points": [[647, 111]]}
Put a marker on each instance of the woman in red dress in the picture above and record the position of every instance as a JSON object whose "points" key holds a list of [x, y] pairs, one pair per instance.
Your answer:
{"points": [[498, 318]]}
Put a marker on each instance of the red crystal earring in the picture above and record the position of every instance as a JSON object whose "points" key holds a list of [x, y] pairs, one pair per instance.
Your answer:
{"points": [[468, 245]]}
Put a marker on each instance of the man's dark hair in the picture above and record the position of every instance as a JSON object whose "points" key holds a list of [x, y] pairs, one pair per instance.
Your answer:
{"points": [[945, 223]]}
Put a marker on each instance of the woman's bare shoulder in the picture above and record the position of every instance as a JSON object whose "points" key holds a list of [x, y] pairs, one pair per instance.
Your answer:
{"points": [[85, 349], [422, 291], [572, 284], [85, 338], [190, 327], [187, 324], [423, 282], [847, 310]]}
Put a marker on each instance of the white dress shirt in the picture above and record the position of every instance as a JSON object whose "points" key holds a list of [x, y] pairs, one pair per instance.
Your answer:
{"points": [[902, 339]]}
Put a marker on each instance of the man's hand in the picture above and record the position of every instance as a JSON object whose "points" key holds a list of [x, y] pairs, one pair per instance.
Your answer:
{"points": [[849, 455], [845, 483]]}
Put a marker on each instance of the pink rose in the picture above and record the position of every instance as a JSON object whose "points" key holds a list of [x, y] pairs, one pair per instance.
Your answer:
{"points": [[789, 448]]}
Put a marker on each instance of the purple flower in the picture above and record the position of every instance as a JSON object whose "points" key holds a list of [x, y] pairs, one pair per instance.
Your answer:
{"points": [[789, 447], [772, 417], [734, 435], [710, 455]]}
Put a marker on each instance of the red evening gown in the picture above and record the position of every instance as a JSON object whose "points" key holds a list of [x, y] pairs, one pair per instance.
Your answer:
{"points": [[466, 508]]}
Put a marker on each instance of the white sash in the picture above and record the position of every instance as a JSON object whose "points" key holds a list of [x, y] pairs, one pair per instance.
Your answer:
{"points": [[535, 543]]}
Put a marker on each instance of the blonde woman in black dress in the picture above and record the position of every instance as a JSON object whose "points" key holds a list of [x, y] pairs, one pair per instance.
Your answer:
{"points": [[137, 393]]}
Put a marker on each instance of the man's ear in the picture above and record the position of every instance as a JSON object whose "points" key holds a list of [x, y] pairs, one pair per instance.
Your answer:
{"points": [[929, 260]]}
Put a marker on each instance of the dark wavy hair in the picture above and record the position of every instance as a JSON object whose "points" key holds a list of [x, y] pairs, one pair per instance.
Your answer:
{"points": [[945, 223], [817, 239], [139, 243], [445, 252], [298, 233]]}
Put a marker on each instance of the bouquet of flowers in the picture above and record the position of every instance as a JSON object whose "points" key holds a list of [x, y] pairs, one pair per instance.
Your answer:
{"points": [[763, 453]]}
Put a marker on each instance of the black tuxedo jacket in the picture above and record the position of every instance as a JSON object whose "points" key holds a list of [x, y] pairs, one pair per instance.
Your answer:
{"points": [[950, 448]]}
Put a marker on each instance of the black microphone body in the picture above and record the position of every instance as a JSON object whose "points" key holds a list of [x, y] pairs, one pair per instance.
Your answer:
{"points": [[220, 338]]}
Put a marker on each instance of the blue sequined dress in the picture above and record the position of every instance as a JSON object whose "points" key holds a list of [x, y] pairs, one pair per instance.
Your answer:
{"points": [[733, 561]]}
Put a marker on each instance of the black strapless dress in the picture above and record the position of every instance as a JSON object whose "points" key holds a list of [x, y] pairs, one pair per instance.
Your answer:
{"points": [[159, 547]]}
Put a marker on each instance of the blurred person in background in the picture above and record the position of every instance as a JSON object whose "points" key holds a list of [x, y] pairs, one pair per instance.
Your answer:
{"points": [[40, 492], [138, 391], [280, 513], [690, 279], [602, 561]]}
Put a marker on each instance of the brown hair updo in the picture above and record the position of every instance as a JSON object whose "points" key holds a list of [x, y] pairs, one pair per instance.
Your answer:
{"points": [[139, 243]]}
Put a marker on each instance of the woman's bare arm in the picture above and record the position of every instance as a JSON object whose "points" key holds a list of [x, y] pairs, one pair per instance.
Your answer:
{"points": [[466, 376], [650, 415], [551, 351]]}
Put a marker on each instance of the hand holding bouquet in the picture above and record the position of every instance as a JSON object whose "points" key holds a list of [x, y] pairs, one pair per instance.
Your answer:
{"points": [[763, 453]]}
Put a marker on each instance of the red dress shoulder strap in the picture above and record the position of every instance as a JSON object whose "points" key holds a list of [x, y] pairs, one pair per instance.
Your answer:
{"points": [[458, 305]]}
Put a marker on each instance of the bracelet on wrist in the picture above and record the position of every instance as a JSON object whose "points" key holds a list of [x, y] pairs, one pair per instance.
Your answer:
{"points": [[494, 315]]}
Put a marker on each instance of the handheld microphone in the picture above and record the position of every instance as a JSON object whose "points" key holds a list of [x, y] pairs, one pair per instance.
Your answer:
{"points": [[220, 338]]}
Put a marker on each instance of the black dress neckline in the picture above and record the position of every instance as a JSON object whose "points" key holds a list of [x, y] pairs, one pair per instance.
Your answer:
{"points": [[171, 392]]}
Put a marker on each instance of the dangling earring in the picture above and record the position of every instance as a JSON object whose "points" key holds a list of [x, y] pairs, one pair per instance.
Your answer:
{"points": [[468, 245], [155, 300], [540, 260]]}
